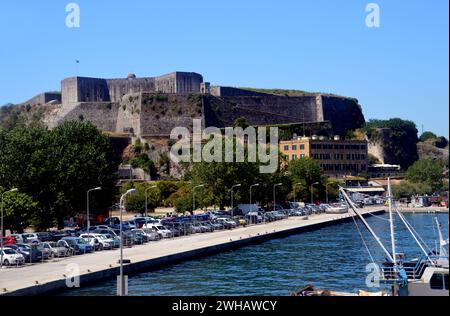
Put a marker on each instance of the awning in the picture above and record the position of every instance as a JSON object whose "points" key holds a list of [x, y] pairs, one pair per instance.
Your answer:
{"points": [[366, 189]]}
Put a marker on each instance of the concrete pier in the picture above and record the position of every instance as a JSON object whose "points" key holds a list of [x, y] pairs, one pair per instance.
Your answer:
{"points": [[51, 276]]}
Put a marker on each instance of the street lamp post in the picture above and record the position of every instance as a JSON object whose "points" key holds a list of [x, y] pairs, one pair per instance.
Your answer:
{"points": [[121, 291], [295, 202], [87, 211], [311, 188], [274, 187], [1, 228], [326, 190], [193, 199], [253, 185], [232, 197]]}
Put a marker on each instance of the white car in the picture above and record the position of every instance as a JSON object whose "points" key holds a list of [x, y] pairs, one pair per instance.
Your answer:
{"points": [[106, 241], [11, 257], [19, 238], [31, 238], [160, 229], [96, 241]]}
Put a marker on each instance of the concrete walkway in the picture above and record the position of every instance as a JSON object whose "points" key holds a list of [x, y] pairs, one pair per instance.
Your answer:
{"points": [[50, 276]]}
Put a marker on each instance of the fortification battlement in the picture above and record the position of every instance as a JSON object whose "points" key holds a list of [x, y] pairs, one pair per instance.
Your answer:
{"points": [[85, 89]]}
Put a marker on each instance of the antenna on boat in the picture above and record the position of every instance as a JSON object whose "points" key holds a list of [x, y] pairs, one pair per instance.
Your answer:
{"points": [[442, 241], [353, 207], [391, 224]]}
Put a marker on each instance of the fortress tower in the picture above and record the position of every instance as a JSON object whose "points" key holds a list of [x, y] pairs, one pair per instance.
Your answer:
{"points": [[84, 89]]}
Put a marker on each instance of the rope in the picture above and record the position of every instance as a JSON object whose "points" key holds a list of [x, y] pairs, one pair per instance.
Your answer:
{"points": [[381, 218], [363, 240], [361, 235]]}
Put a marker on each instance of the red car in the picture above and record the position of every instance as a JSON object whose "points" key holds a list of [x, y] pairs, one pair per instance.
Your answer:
{"points": [[9, 240]]}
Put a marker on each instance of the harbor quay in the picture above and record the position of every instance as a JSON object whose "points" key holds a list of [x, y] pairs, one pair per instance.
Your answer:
{"points": [[53, 276]]}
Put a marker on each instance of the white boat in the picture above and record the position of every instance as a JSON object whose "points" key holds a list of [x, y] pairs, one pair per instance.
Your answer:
{"points": [[337, 208]]}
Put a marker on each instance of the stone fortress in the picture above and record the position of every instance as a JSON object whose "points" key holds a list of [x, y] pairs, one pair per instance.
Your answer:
{"points": [[149, 108], [153, 106]]}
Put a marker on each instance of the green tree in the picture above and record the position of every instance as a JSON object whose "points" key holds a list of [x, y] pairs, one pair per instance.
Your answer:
{"points": [[305, 171], [441, 142], [142, 161], [406, 189], [19, 209], [136, 202], [57, 167], [402, 143], [427, 135], [426, 171]]}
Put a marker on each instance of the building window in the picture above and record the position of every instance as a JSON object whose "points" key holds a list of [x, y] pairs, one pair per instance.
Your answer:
{"points": [[294, 157], [302, 147], [302, 156], [294, 147], [286, 147]]}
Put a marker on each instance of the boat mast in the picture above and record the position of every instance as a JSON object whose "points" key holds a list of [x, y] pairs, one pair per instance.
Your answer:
{"points": [[353, 207], [391, 221]]}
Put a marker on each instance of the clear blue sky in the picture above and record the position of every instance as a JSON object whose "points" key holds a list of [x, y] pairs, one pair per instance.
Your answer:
{"points": [[398, 70]]}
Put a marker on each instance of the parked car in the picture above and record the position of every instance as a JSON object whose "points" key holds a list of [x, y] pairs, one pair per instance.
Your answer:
{"points": [[138, 237], [30, 254], [12, 257], [114, 240], [128, 239], [208, 228], [55, 236], [78, 244], [55, 250], [71, 247], [176, 232], [160, 229], [46, 253], [152, 234], [111, 221], [19, 238], [44, 236], [31, 238], [108, 231], [93, 241], [107, 242], [226, 222], [216, 225], [9, 240]]}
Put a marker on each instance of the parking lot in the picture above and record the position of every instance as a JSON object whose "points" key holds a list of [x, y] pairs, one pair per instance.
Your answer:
{"points": [[41, 247], [163, 251]]}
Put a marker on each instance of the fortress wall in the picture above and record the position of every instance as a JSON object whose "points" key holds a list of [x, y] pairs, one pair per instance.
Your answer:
{"points": [[128, 115], [120, 87], [158, 118], [179, 82], [261, 110], [220, 91], [188, 82], [101, 114], [343, 113], [166, 83], [44, 98], [82, 89]]}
